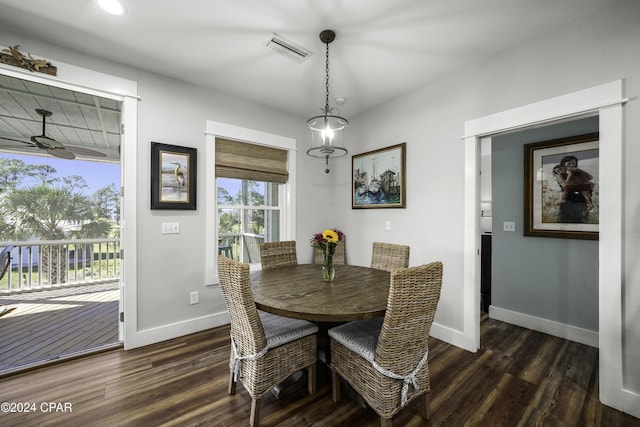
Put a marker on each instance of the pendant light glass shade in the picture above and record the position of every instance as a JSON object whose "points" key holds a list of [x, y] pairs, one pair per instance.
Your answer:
{"points": [[327, 128]]}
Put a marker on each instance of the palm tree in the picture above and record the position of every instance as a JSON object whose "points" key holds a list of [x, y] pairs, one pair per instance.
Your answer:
{"points": [[48, 213]]}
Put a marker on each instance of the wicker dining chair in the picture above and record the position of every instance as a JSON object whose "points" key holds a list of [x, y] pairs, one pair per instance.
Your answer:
{"points": [[265, 348], [278, 254], [339, 257], [5, 260], [385, 359], [388, 257], [5, 265]]}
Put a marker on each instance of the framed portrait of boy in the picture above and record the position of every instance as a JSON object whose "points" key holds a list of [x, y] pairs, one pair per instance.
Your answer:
{"points": [[561, 188]]}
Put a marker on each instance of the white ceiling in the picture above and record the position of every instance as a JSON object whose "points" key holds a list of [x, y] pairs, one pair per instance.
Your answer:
{"points": [[383, 49]]}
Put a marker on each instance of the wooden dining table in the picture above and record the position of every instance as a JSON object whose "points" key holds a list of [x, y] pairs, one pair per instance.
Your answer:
{"points": [[299, 292]]}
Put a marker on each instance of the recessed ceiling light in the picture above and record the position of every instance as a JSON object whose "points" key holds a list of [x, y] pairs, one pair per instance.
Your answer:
{"points": [[113, 7]]}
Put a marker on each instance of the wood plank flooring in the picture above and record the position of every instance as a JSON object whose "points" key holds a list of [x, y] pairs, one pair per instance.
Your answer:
{"points": [[50, 324], [518, 378]]}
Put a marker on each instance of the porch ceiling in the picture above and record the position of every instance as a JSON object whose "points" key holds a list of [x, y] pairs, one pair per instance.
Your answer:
{"points": [[77, 119]]}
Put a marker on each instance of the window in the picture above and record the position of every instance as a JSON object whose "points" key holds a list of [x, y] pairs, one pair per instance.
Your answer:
{"points": [[250, 190], [248, 214]]}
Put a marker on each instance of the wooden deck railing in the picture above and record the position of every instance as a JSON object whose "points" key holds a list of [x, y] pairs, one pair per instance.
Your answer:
{"points": [[47, 264]]}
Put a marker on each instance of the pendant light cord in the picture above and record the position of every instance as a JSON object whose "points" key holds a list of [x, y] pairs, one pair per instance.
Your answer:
{"points": [[326, 106]]}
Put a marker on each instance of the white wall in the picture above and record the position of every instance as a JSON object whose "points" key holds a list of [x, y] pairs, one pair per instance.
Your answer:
{"points": [[585, 54], [171, 266], [548, 278]]}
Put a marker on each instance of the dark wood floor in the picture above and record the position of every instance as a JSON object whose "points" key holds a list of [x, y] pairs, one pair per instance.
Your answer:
{"points": [[518, 378], [51, 324]]}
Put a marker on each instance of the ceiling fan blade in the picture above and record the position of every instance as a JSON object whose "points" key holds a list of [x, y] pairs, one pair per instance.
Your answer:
{"points": [[61, 153], [17, 140], [43, 141], [55, 149], [81, 151]]}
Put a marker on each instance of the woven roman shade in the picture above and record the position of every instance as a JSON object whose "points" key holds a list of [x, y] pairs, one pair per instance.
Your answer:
{"points": [[242, 160]]}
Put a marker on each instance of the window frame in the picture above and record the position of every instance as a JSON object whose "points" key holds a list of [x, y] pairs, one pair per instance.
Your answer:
{"points": [[246, 207], [287, 191]]}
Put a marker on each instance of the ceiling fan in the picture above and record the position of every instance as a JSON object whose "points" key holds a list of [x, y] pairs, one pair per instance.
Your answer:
{"points": [[52, 146]]}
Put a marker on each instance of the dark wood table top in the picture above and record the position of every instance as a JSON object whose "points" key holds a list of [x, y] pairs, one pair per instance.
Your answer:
{"points": [[299, 292]]}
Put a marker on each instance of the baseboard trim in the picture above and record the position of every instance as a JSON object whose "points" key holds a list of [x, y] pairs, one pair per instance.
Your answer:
{"points": [[175, 330], [561, 330], [631, 403], [452, 336]]}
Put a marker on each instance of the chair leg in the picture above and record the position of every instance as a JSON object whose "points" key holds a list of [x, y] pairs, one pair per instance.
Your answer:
{"points": [[254, 420], [335, 386], [385, 422], [311, 379], [425, 406], [232, 384]]}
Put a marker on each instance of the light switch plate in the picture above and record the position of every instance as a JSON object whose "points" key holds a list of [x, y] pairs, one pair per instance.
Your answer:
{"points": [[509, 226], [170, 227]]}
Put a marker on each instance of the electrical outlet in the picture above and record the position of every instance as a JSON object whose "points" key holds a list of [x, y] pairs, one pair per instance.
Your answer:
{"points": [[388, 226], [194, 299]]}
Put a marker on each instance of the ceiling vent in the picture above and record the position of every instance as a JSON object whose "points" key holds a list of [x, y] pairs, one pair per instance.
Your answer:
{"points": [[287, 48]]}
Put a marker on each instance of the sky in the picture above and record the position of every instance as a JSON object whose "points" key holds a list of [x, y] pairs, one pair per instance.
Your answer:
{"points": [[96, 174]]}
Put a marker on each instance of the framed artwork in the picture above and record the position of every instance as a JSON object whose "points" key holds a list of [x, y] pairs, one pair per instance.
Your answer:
{"points": [[378, 178], [173, 177], [561, 191]]}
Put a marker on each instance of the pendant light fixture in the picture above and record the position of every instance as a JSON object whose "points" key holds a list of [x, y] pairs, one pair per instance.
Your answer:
{"points": [[326, 129]]}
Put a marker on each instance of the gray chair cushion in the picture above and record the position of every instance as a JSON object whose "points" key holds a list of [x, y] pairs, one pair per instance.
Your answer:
{"points": [[359, 336], [280, 330]]}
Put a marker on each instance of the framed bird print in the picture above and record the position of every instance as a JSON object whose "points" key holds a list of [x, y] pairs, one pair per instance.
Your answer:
{"points": [[173, 177]]}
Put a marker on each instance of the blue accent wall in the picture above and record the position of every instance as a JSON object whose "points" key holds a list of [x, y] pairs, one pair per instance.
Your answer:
{"points": [[551, 278]]}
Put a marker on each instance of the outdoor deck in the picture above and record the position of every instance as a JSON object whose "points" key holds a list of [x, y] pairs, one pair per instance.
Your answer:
{"points": [[46, 325]]}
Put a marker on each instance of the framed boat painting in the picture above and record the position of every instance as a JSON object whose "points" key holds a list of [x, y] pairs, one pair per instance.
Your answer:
{"points": [[378, 178], [173, 177], [561, 194]]}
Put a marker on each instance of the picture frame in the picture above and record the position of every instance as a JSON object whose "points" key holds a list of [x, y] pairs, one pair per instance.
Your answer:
{"points": [[173, 177], [378, 178], [561, 191]]}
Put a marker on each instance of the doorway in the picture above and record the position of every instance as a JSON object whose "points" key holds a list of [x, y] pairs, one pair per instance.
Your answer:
{"points": [[605, 101], [486, 224], [64, 295], [540, 283]]}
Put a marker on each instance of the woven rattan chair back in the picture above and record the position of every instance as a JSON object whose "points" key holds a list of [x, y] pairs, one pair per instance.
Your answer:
{"points": [[278, 254], [265, 348], [388, 257], [246, 327], [386, 361], [413, 298], [339, 257]]}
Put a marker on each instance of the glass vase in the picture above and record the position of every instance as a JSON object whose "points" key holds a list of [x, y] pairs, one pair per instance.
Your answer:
{"points": [[328, 271]]}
